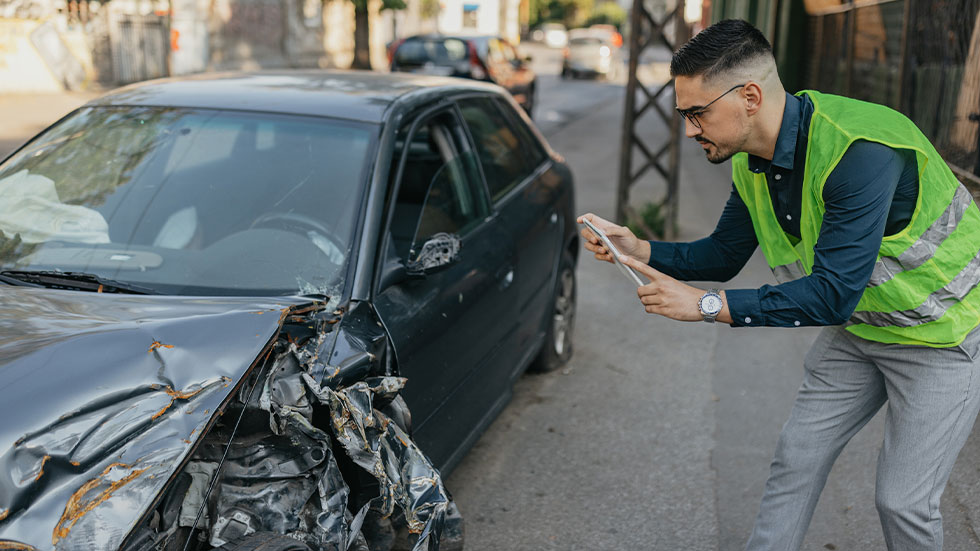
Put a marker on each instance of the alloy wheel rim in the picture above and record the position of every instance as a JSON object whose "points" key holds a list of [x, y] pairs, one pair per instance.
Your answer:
{"points": [[564, 311]]}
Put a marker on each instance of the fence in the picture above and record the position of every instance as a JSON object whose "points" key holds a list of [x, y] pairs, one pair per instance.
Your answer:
{"points": [[140, 46], [920, 57]]}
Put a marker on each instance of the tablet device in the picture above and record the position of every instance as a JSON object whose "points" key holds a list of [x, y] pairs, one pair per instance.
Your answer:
{"points": [[614, 252]]}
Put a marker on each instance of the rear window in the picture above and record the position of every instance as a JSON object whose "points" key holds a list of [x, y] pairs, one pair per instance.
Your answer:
{"points": [[437, 51], [585, 41], [507, 151]]}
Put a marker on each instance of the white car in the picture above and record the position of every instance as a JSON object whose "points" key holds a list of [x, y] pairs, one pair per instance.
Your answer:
{"points": [[589, 55]]}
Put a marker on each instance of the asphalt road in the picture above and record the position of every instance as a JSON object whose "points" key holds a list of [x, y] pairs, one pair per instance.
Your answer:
{"points": [[659, 434]]}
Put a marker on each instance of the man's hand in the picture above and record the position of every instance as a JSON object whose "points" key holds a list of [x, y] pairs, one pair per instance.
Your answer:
{"points": [[670, 298], [621, 237]]}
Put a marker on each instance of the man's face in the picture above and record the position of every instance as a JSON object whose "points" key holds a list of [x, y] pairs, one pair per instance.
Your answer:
{"points": [[723, 128]]}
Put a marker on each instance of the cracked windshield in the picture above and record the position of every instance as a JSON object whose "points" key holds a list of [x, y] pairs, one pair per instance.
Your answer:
{"points": [[182, 201]]}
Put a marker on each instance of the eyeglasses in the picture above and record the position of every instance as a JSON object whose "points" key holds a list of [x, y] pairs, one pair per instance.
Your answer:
{"points": [[692, 113]]}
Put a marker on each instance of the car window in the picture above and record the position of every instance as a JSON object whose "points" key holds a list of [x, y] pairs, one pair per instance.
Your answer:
{"points": [[532, 150], [440, 188], [495, 52], [507, 50], [439, 51], [585, 41], [188, 201], [505, 154]]}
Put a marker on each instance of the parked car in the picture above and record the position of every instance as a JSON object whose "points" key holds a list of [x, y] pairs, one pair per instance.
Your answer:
{"points": [[588, 54], [487, 58], [268, 311], [608, 32]]}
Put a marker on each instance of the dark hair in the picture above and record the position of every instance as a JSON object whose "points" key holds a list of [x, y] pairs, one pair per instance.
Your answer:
{"points": [[722, 46]]}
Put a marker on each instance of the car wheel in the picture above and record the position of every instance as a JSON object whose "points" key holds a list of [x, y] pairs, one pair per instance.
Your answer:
{"points": [[557, 349], [264, 541]]}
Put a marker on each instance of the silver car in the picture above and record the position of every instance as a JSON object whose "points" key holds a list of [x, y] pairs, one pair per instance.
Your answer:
{"points": [[589, 55]]}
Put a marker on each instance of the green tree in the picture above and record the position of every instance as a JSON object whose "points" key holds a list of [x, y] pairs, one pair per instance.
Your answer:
{"points": [[609, 13], [571, 13], [362, 32]]}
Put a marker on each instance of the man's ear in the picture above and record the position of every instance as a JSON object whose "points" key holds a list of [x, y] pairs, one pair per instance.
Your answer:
{"points": [[752, 93]]}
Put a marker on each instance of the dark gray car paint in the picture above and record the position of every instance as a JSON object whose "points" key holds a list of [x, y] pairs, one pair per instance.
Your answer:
{"points": [[357, 345], [102, 396]]}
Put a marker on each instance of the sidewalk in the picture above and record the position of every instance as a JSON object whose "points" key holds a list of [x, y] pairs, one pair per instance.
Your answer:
{"points": [[24, 115]]}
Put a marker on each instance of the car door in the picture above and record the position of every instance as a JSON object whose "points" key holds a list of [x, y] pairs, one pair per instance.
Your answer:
{"points": [[448, 327], [523, 188]]}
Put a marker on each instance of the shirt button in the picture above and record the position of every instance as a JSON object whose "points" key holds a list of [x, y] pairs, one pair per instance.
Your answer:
{"points": [[796, 323], [748, 319], [789, 216], [778, 177]]}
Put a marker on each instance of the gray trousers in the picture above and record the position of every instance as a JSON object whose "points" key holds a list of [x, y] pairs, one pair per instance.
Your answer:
{"points": [[933, 395]]}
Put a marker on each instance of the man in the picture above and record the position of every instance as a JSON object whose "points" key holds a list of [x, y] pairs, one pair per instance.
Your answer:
{"points": [[867, 232]]}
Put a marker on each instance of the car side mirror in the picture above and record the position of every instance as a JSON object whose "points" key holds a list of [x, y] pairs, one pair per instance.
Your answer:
{"points": [[441, 250]]}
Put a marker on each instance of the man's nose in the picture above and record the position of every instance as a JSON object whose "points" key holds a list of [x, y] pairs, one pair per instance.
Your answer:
{"points": [[690, 129]]}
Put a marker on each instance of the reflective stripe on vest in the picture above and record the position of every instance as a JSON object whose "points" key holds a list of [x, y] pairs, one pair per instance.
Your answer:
{"points": [[789, 272], [935, 304], [922, 250]]}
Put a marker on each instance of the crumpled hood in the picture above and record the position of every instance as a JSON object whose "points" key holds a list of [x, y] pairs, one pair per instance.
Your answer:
{"points": [[103, 396]]}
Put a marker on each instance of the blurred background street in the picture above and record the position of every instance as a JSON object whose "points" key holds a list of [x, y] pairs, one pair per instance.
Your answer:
{"points": [[658, 434]]}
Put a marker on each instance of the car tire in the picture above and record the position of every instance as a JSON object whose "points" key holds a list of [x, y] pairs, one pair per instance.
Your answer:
{"points": [[557, 348], [264, 541]]}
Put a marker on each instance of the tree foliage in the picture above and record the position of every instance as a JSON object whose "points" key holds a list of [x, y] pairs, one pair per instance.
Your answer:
{"points": [[609, 13], [576, 13]]}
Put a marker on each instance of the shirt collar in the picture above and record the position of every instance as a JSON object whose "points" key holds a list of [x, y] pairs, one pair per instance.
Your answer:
{"points": [[784, 155]]}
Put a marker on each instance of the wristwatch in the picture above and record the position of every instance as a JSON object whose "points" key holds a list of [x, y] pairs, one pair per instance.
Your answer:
{"points": [[710, 305]]}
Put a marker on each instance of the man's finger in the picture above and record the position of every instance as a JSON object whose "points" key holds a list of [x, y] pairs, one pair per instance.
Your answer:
{"points": [[598, 221], [642, 267], [589, 236]]}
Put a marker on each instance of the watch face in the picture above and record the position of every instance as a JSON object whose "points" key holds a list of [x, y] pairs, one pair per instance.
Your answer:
{"points": [[711, 304]]}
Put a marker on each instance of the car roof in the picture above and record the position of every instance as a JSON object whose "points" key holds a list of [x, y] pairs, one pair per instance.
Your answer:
{"points": [[478, 38], [354, 95]]}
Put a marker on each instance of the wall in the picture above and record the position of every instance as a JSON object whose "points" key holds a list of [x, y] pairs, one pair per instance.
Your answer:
{"points": [[36, 56]]}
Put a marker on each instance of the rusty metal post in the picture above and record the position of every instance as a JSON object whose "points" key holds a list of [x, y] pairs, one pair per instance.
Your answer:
{"points": [[676, 135], [629, 122], [645, 32]]}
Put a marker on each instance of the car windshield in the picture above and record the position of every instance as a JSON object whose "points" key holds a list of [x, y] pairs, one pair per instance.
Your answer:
{"points": [[188, 201]]}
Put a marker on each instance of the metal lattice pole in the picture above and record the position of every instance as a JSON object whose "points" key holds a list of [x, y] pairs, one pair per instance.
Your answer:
{"points": [[646, 32]]}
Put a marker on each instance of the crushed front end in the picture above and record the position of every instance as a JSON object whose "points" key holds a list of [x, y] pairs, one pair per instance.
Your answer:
{"points": [[306, 446]]}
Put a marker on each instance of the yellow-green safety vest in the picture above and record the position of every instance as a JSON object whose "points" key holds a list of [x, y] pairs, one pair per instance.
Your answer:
{"points": [[922, 290]]}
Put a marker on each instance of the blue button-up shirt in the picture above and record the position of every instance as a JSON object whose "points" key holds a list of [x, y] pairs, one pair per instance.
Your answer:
{"points": [[871, 193]]}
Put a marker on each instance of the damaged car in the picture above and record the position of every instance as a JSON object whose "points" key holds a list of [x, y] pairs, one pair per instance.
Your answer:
{"points": [[270, 310]]}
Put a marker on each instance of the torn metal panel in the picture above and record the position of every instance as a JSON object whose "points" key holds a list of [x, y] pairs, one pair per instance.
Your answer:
{"points": [[102, 398], [279, 474], [376, 443], [359, 343]]}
